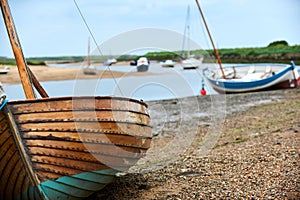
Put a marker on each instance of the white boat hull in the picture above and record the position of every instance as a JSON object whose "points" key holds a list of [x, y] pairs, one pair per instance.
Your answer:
{"points": [[191, 63], [285, 78]]}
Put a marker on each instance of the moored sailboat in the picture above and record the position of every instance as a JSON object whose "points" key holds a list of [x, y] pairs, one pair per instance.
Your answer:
{"points": [[67, 147], [89, 69], [189, 61], [250, 77], [254, 77]]}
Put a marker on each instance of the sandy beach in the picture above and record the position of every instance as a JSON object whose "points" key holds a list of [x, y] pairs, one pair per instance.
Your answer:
{"points": [[47, 73]]}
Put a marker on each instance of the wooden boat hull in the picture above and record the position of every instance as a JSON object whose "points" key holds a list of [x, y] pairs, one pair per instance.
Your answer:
{"points": [[69, 148], [283, 79]]}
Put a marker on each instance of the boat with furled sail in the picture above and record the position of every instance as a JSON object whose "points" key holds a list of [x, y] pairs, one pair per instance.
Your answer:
{"points": [[249, 77], [89, 69], [66, 147], [189, 61]]}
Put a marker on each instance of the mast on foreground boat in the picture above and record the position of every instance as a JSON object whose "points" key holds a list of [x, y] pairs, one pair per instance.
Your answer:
{"points": [[211, 40]]}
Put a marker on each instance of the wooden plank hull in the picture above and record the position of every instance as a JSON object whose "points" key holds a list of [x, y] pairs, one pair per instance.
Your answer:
{"points": [[68, 148]]}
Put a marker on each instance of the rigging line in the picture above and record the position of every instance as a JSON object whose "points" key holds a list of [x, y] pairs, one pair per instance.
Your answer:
{"points": [[87, 26], [204, 32], [98, 48], [184, 34]]}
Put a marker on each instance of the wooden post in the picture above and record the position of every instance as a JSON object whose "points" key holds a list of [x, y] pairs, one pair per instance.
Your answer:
{"points": [[16, 46]]}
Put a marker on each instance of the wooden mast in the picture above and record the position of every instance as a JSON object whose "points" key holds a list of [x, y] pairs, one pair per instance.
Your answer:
{"points": [[16, 46], [211, 40]]}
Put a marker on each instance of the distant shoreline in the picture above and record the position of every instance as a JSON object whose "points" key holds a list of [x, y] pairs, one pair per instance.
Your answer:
{"points": [[270, 54], [46, 73]]}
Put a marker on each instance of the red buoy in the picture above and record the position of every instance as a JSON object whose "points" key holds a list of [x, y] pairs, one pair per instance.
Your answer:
{"points": [[203, 92]]}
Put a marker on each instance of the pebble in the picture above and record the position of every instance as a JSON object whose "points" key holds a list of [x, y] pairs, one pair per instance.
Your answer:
{"points": [[259, 166]]}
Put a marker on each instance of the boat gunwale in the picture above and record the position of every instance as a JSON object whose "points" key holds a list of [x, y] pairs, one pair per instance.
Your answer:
{"points": [[78, 98], [279, 74], [255, 64]]}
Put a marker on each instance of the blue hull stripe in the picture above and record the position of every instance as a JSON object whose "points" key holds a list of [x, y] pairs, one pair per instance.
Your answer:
{"points": [[242, 85]]}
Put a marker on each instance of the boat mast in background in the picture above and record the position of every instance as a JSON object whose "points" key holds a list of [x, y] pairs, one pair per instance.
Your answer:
{"points": [[186, 29], [211, 40], [89, 70], [89, 58]]}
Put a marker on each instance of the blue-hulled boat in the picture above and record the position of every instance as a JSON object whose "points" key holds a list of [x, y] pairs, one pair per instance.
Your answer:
{"points": [[249, 77], [66, 147], [253, 77]]}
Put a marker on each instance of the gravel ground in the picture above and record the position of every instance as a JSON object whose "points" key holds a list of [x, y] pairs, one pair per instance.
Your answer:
{"points": [[244, 146]]}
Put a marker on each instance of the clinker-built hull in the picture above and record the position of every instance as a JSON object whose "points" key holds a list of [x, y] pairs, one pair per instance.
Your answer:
{"points": [[70, 147]]}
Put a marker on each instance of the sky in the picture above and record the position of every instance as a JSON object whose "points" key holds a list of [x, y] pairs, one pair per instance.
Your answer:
{"points": [[55, 28]]}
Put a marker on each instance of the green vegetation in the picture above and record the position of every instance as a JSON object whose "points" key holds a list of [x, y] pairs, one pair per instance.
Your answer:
{"points": [[42, 60], [127, 57], [278, 43], [275, 52], [164, 55], [7, 61], [260, 51]]}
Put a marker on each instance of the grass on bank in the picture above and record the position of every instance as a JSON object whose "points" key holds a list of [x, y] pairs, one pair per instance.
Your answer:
{"points": [[278, 51]]}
